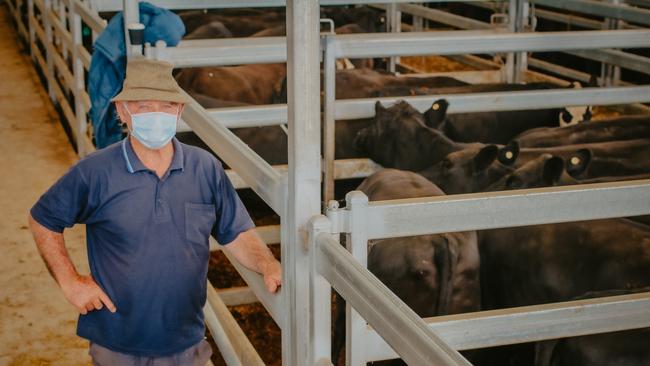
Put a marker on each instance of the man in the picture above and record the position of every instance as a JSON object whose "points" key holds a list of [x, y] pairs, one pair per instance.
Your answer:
{"points": [[150, 204]]}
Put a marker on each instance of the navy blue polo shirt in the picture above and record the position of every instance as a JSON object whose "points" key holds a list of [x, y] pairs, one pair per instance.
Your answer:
{"points": [[147, 241]]}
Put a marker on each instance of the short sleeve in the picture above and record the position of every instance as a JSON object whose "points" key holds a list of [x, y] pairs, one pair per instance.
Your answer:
{"points": [[232, 217], [64, 204]]}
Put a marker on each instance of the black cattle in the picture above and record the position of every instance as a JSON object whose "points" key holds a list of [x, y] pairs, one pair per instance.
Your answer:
{"points": [[585, 161], [544, 171], [488, 127], [433, 274], [550, 263], [468, 170], [621, 128], [629, 348], [214, 29], [251, 84], [370, 20], [368, 83], [240, 23], [398, 138]]}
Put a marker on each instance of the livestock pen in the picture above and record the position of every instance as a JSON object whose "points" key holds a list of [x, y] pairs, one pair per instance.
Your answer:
{"points": [[312, 257]]}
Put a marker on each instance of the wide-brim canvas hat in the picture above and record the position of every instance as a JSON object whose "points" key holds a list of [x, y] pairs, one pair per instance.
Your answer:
{"points": [[150, 80]]}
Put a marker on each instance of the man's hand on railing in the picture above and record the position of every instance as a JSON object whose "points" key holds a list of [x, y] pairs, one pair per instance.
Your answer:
{"points": [[272, 272], [249, 249]]}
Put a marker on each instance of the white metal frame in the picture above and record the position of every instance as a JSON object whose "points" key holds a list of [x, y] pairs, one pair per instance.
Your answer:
{"points": [[312, 258]]}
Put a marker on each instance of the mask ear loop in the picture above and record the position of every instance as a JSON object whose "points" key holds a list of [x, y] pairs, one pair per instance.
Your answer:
{"points": [[126, 106]]}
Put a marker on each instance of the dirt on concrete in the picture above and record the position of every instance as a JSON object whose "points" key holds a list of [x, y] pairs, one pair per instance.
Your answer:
{"points": [[37, 324]]}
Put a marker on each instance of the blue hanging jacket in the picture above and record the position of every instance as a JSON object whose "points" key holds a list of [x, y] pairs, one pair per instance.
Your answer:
{"points": [[108, 65]]}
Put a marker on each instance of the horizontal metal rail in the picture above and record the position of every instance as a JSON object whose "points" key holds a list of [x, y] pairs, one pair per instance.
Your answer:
{"points": [[343, 169], [501, 101], [272, 302], [233, 344], [615, 57], [400, 327], [235, 296], [367, 45], [261, 177], [480, 211], [444, 17], [346, 109], [620, 58], [530, 323], [603, 9], [116, 5], [223, 52]]}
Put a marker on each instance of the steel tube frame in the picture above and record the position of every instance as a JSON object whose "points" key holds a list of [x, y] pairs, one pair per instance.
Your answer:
{"points": [[263, 179], [502, 101], [319, 325], [305, 331], [475, 211], [529, 324], [371, 45], [115, 5]]}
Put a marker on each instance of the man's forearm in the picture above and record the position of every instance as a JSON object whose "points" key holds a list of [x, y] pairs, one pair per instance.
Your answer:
{"points": [[51, 246], [249, 249]]}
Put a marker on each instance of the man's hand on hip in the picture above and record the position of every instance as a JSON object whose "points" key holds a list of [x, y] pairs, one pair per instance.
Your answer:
{"points": [[86, 295]]}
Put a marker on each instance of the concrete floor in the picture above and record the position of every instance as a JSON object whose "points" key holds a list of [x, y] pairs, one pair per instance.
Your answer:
{"points": [[37, 325]]}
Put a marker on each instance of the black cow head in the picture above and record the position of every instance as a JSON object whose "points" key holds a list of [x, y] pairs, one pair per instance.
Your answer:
{"points": [[543, 171], [417, 269], [468, 170], [398, 138]]}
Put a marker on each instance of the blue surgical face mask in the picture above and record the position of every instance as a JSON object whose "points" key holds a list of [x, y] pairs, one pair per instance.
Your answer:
{"points": [[153, 129]]}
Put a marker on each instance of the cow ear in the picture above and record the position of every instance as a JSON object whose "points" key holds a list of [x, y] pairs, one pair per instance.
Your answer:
{"points": [[553, 169], [435, 115], [379, 108], [509, 153], [485, 157], [567, 117], [578, 162]]}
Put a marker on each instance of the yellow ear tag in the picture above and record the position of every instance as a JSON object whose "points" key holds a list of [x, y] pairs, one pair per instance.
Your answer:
{"points": [[509, 155], [575, 160], [435, 106]]}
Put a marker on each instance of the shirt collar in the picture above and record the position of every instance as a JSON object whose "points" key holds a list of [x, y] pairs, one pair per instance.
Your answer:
{"points": [[133, 163]]}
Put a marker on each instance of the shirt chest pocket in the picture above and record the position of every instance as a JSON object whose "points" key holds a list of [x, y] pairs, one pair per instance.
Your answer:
{"points": [[199, 220]]}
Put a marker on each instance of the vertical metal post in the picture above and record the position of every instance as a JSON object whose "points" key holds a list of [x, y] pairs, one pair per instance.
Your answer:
{"points": [[131, 15], [357, 244], [329, 125], [64, 21], [393, 25], [521, 58], [74, 20], [32, 35], [611, 74], [418, 23], [49, 49], [321, 297], [516, 63], [303, 81], [510, 65]]}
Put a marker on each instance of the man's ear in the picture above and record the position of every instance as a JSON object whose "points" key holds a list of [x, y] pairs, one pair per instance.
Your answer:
{"points": [[125, 117]]}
